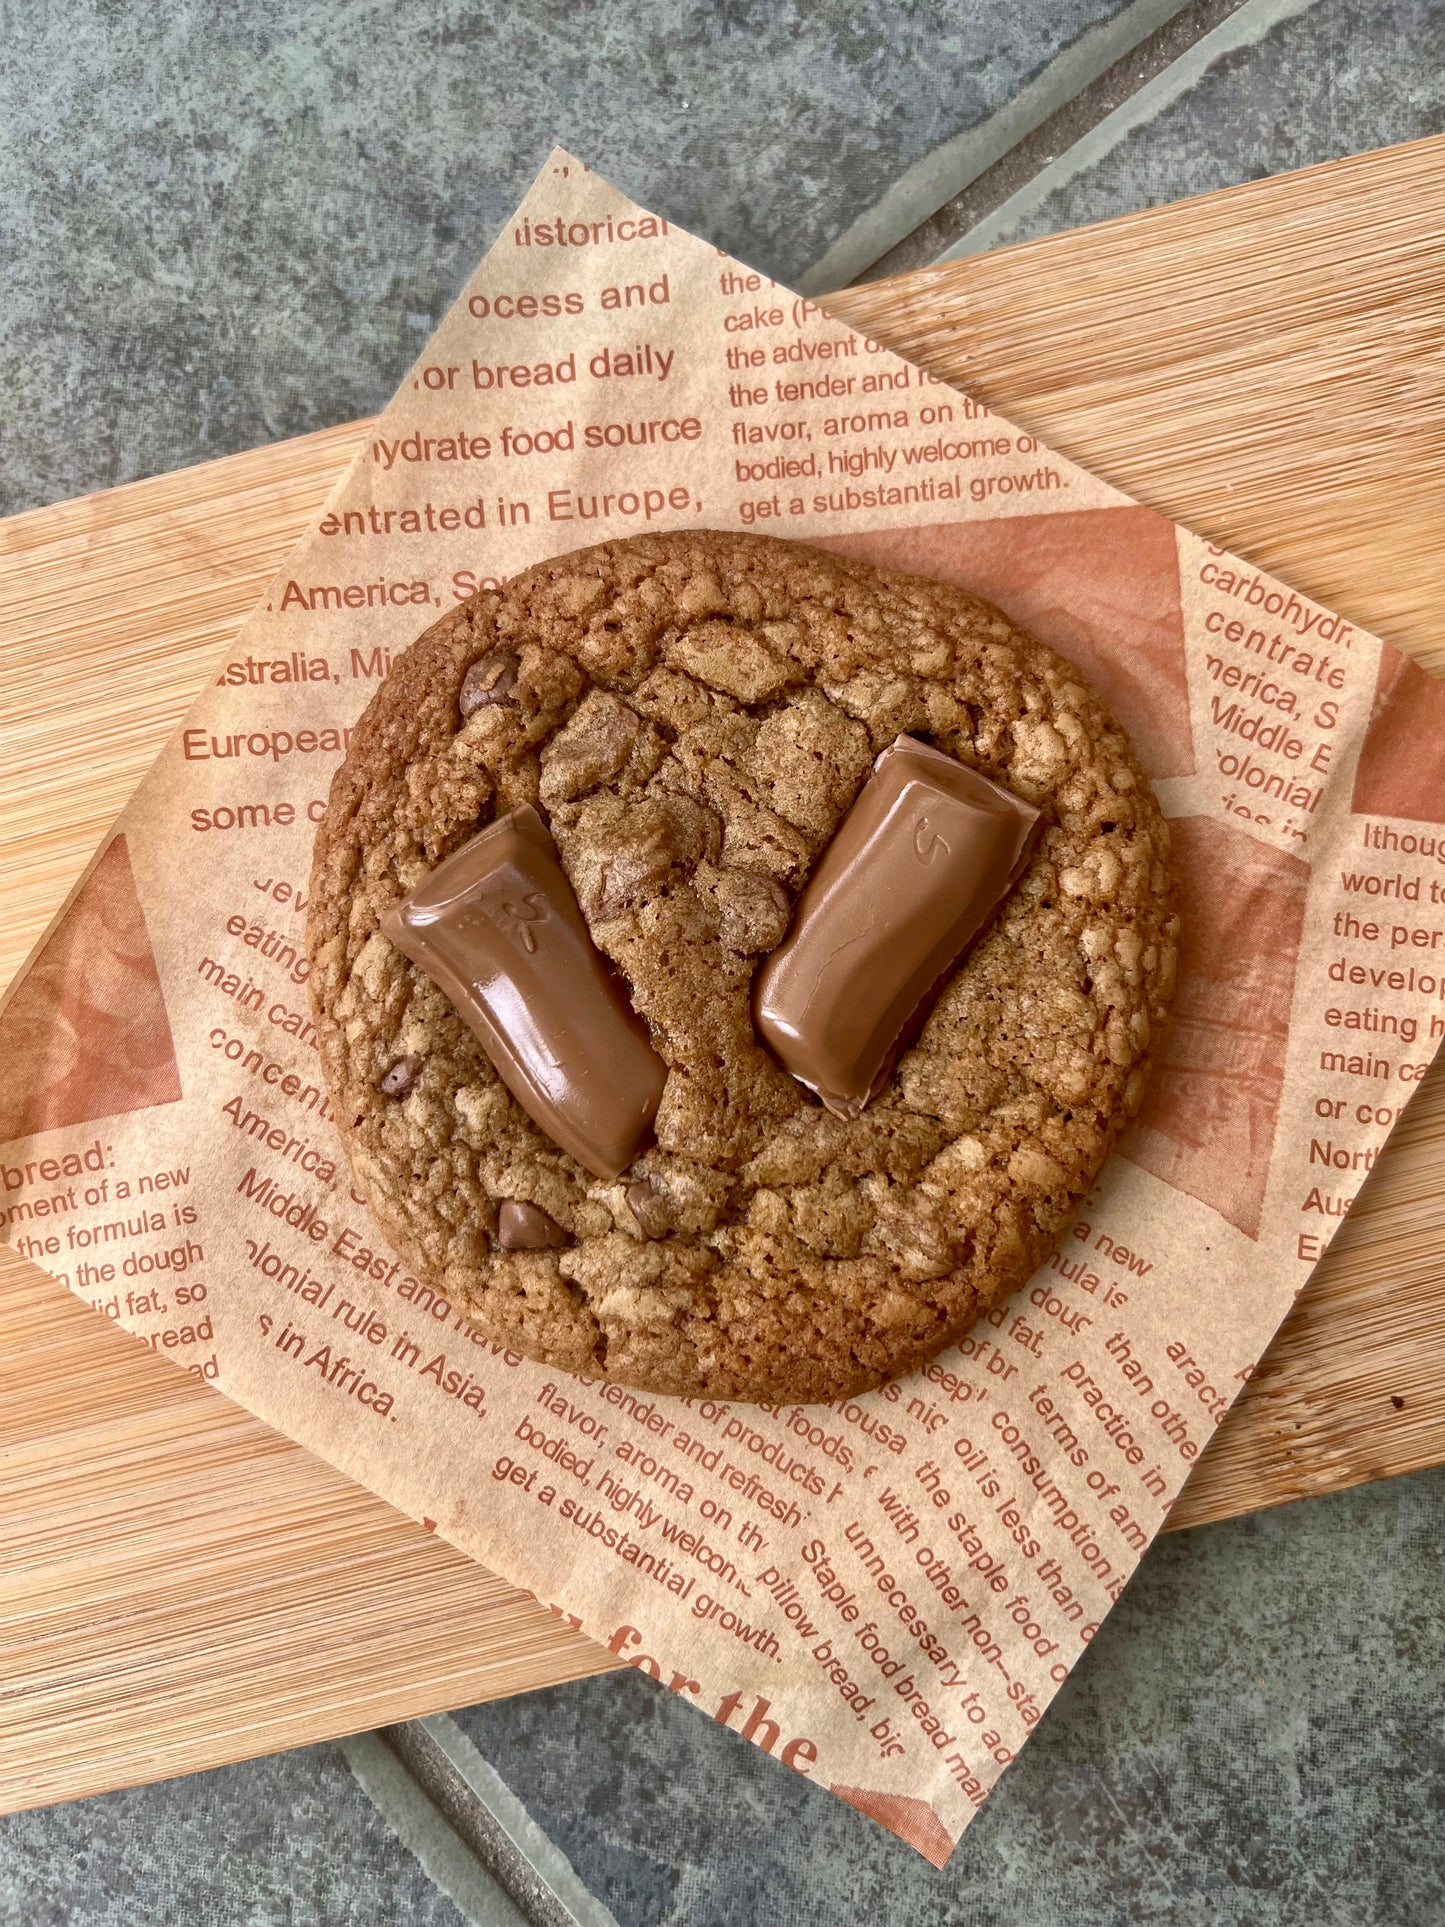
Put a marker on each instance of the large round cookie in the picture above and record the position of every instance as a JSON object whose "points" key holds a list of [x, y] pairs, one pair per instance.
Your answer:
{"points": [[694, 714]]}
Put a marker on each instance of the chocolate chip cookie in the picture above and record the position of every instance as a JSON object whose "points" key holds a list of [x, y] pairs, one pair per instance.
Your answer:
{"points": [[691, 717]]}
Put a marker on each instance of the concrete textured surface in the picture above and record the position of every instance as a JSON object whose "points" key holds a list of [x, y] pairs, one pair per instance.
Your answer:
{"points": [[291, 1841], [1255, 1739], [222, 226]]}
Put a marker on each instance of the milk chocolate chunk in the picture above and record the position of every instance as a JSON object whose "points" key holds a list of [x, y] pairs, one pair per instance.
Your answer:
{"points": [[526, 1227], [497, 927], [647, 1206], [913, 873], [489, 680]]}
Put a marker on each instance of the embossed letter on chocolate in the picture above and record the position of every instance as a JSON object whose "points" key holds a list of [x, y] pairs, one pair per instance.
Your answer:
{"points": [[913, 873], [498, 928]]}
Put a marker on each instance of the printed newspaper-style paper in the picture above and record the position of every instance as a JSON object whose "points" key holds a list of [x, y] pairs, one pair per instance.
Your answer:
{"points": [[884, 1593]]}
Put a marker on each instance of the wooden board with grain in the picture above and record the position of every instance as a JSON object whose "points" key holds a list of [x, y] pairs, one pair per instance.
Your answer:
{"points": [[180, 1586]]}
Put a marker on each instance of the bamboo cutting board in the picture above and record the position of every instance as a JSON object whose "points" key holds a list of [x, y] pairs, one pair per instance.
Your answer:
{"points": [[180, 1586]]}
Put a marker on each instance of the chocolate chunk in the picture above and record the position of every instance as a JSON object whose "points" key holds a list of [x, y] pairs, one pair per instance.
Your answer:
{"points": [[526, 1227], [489, 680], [498, 928], [648, 1207], [912, 874], [400, 1078]]}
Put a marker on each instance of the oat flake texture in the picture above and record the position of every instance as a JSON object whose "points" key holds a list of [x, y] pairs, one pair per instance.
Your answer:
{"points": [[694, 714]]}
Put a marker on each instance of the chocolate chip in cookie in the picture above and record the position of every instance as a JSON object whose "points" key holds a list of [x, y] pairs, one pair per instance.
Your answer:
{"points": [[525, 1227], [490, 680]]}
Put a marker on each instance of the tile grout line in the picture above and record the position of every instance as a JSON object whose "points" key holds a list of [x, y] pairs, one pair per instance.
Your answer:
{"points": [[1051, 138], [472, 1835], [937, 176], [445, 1858], [550, 1881], [1245, 27]]}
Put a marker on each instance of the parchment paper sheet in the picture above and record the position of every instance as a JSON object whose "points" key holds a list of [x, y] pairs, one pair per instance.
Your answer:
{"points": [[886, 1593]]}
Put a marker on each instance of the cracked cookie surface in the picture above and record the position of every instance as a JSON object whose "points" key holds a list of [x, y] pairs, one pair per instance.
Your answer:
{"points": [[694, 714]]}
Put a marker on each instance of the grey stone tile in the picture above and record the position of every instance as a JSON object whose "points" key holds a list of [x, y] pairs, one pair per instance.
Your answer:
{"points": [[1253, 1740], [1336, 79], [225, 225], [289, 1841]]}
